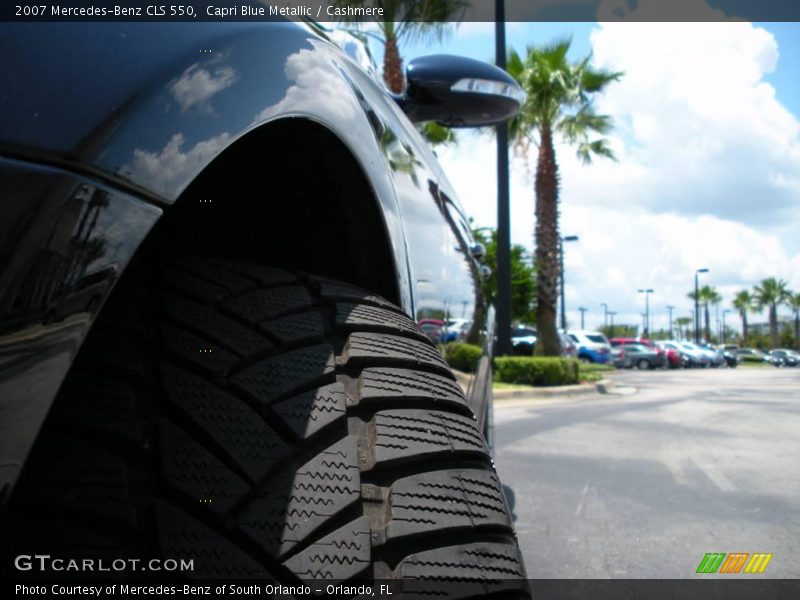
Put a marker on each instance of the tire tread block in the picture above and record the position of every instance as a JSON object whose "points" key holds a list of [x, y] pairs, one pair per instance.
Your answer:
{"points": [[307, 413], [264, 275], [467, 571], [208, 270], [218, 328], [191, 469], [243, 435], [339, 291], [273, 377], [303, 327], [364, 347], [207, 356], [402, 434], [192, 286], [262, 304], [350, 316], [389, 383], [340, 555], [445, 500], [292, 508], [182, 537]]}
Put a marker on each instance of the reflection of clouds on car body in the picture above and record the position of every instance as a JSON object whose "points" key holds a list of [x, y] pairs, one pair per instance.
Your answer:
{"points": [[316, 85], [172, 166], [195, 87]]}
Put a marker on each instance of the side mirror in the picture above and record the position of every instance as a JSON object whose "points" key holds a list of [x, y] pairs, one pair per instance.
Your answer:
{"points": [[459, 92]]}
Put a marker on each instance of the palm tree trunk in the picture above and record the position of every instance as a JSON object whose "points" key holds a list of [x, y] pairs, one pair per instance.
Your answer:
{"points": [[773, 324], [708, 327], [744, 329], [393, 67], [797, 330], [547, 246]]}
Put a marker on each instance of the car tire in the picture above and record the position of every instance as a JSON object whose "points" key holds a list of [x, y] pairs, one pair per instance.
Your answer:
{"points": [[643, 364], [266, 424]]}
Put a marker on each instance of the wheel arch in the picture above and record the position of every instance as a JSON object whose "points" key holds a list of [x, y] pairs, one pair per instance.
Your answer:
{"points": [[290, 193]]}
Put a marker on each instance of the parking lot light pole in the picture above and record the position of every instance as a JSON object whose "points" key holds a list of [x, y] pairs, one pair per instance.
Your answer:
{"points": [[670, 308], [611, 327], [646, 315], [697, 304], [583, 313], [605, 314], [566, 238]]}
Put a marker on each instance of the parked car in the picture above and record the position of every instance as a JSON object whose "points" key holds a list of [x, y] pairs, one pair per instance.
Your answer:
{"points": [[455, 330], [787, 358], [523, 340], [568, 347], [675, 359], [730, 352], [644, 342], [641, 357], [754, 355], [715, 356], [276, 221], [432, 328], [692, 355], [592, 346]]}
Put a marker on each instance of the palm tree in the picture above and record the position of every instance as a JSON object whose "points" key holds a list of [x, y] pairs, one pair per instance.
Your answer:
{"points": [[559, 103], [408, 20], [706, 295], [794, 303], [714, 298], [770, 293], [743, 302], [683, 322]]}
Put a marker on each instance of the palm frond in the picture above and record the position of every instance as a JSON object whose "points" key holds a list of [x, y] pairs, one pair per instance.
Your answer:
{"points": [[588, 150]]}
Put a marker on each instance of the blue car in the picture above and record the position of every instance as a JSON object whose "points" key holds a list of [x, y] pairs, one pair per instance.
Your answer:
{"points": [[592, 346]]}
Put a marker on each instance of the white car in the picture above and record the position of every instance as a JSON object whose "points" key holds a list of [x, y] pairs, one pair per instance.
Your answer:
{"points": [[592, 346]]}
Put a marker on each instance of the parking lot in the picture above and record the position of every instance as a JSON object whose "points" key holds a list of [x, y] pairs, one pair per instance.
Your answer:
{"points": [[643, 482]]}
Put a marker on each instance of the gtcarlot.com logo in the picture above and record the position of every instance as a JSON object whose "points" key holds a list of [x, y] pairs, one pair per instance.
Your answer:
{"points": [[734, 562], [46, 562]]}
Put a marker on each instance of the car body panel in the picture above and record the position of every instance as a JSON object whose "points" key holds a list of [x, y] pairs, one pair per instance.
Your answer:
{"points": [[137, 111], [592, 346], [64, 241]]}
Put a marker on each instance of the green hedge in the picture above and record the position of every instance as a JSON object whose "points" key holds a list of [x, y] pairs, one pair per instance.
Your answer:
{"points": [[463, 357], [536, 370]]}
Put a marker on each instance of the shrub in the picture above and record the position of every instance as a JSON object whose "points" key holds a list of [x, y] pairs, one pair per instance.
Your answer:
{"points": [[536, 370], [463, 357]]}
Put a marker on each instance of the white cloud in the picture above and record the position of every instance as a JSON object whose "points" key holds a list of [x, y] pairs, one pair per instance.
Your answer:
{"points": [[172, 166], [708, 173], [197, 85]]}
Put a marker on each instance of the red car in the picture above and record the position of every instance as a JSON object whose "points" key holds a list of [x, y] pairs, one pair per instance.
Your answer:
{"points": [[673, 357]]}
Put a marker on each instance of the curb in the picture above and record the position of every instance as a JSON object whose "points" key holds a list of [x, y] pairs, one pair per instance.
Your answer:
{"points": [[601, 387], [604, 386]]}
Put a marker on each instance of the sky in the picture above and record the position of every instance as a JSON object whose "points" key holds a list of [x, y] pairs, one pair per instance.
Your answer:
{"points": [[707, 136]]}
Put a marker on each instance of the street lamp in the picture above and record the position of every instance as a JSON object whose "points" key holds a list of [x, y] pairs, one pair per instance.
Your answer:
{"points": [[605, 314], [566, 238], [670, 309], [611, 328], [503, 297], [583, 312], [697, 304], [646, 327], [724, 312]]}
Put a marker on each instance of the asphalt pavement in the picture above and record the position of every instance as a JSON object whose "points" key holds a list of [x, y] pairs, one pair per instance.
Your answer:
{"points": [[644, 481]]}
